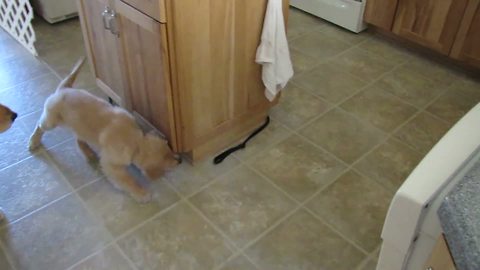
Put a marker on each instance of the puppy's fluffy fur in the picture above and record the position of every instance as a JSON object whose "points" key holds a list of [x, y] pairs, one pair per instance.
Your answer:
{"points": [[7, 117], [110, 129]]}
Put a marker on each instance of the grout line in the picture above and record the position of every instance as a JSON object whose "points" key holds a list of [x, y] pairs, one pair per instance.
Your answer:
{"points": [[124, 255], [89, 256]]}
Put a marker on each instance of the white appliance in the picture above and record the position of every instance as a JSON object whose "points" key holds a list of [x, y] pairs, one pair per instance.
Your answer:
{"points": [[412, 226], [55, 10], [345, 13]]}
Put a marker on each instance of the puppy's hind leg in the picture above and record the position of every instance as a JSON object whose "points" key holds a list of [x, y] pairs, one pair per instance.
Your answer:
{"points": [[121, 179], [87, 151], [46, 122]]}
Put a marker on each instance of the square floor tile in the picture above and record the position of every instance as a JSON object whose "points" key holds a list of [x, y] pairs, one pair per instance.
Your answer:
{"points": [[243, 205], [37, 90], [315, 44], [390, 164], [422, 132], [17, 70], [108, 259], [179, 239], [411, 86], [303, 242], [386, 49], [356, 207], [50, 138], [337, 32], [297, 107], [453, 105], [274, 133], [14, 145], [301, 62], [379, 108], [239, 263], [55, 237], [329, 83], [10, 48], [434, 71], [188, 179], [63, 54], [364, 65], [120, 212], [298, 167], [28, 185], [74, 166], [468, 87], [300, 22], [343, 135]]}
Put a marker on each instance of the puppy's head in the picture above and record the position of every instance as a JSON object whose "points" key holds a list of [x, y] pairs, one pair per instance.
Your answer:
{"points": [[154, 156], [7, 117]]}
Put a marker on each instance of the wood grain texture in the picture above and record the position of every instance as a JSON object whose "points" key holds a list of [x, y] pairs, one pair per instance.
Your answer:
{"points": [[431, 23], [212, 46], [152, 8], [440, 258], [146, 57], [103, 50], [381, 13], [467, 44]]}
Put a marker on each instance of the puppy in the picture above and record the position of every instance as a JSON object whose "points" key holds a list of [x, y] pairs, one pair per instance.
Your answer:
{"points": [[7, 117], [110, 129]]}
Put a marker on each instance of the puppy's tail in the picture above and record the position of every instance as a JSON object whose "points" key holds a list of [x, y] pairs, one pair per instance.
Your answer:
{"points": [[70, 79]]}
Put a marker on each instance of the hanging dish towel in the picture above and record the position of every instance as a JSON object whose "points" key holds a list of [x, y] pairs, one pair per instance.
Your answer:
{"points": [[273, 53]]}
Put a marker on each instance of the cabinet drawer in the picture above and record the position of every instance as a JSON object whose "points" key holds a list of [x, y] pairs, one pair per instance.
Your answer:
{"points": [[153, 8]]}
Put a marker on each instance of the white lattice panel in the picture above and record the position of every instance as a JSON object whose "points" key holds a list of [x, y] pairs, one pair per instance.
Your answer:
{"points": [[15, 18]]}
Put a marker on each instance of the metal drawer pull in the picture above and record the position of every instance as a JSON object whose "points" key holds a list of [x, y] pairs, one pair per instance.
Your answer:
{"points": [[109, 20], [105, 15]]}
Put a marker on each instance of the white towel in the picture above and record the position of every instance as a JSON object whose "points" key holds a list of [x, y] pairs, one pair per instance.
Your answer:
{"points": [[273, 53]]}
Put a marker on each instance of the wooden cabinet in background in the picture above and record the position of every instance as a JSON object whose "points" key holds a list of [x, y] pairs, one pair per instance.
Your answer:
{"points": [[187, 67], [381, 13], [431, 23], [145, 50], [450, 27], [103, 49], [440, 258], [467, 44]]}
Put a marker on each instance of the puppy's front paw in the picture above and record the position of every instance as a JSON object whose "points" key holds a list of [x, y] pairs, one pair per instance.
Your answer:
{"points": [[142, 196], [34, 144]]}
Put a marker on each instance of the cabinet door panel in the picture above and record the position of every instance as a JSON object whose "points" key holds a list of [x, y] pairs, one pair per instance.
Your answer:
{"points": [[103, 49], [381, 13], [218, 82], [431, 23], [146, 58], [467, 45]]}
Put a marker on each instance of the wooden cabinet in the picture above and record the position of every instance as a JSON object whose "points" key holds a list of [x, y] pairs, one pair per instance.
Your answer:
{"points": [[467, 44], [187, 67], [440, 259], [431, 23], [145, 51], [450, 27], [103, 49]]}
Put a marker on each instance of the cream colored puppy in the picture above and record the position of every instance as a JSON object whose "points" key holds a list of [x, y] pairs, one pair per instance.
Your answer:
{"points": [[110, 129], [7, 117]]}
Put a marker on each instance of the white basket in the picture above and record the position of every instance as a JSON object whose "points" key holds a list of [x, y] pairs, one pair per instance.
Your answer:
{"points": [[15, 18], [345, 13], [55, 10]]}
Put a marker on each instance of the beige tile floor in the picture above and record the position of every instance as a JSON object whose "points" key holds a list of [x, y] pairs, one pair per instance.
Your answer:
{"points": [[311, 192]]}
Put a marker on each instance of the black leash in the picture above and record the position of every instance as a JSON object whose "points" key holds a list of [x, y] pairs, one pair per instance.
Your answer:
{"points": [[218, 159]]}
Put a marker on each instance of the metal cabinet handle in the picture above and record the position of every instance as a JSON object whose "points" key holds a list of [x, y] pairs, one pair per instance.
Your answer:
{"points": [[109, 20], [105, 16]]}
